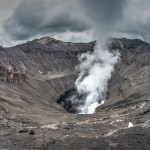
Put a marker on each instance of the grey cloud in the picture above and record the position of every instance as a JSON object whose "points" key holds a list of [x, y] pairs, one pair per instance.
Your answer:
{"points": [[120, 16], [103, 11], [103, 14], [36, 17], [136, 19], [32, 17], [6, 9]]}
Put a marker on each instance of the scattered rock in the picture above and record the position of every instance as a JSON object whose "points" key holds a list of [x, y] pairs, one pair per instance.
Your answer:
{"points": [[23, 131], [113, 144], [130, 125], [31, 132], [145, 111]]}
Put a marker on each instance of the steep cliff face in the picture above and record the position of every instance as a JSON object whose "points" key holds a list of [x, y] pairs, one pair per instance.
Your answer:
{"points": [[130, 81], [30, 117]]}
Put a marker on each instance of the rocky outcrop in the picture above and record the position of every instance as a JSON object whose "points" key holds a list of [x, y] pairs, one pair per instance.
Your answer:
{"points": [[30, 117], [1, 48]]}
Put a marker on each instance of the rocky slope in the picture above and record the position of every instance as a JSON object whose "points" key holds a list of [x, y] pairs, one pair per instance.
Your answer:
{"points": [[30, 117]]}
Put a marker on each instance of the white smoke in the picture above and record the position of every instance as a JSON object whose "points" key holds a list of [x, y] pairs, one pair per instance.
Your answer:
{"points": [[96, 69]]}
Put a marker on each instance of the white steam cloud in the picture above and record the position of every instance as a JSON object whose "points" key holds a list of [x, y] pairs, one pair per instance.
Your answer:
{"points": [[96, 69]]}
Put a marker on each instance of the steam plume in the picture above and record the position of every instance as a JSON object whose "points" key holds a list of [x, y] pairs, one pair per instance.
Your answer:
{"points": [[96, 70], [96, 67]]}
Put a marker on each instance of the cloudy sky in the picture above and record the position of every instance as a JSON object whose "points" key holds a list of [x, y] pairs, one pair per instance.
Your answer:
{"points": [[73, 20]]}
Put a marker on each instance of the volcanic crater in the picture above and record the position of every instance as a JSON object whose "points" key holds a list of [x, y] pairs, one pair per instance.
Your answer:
{"points": [[34, 114]]}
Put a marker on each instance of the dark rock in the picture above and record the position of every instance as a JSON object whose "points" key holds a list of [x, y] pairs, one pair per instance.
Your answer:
{"points": [[145, 111], [23, 131], [31, 132], [1, 48]]}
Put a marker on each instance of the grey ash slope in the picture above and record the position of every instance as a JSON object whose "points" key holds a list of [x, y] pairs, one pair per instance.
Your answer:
{"points": [[31, 119], [130, 82], [51, 71]]}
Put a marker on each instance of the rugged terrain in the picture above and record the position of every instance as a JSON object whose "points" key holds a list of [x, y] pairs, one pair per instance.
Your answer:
{"points": [[31, 119]]}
